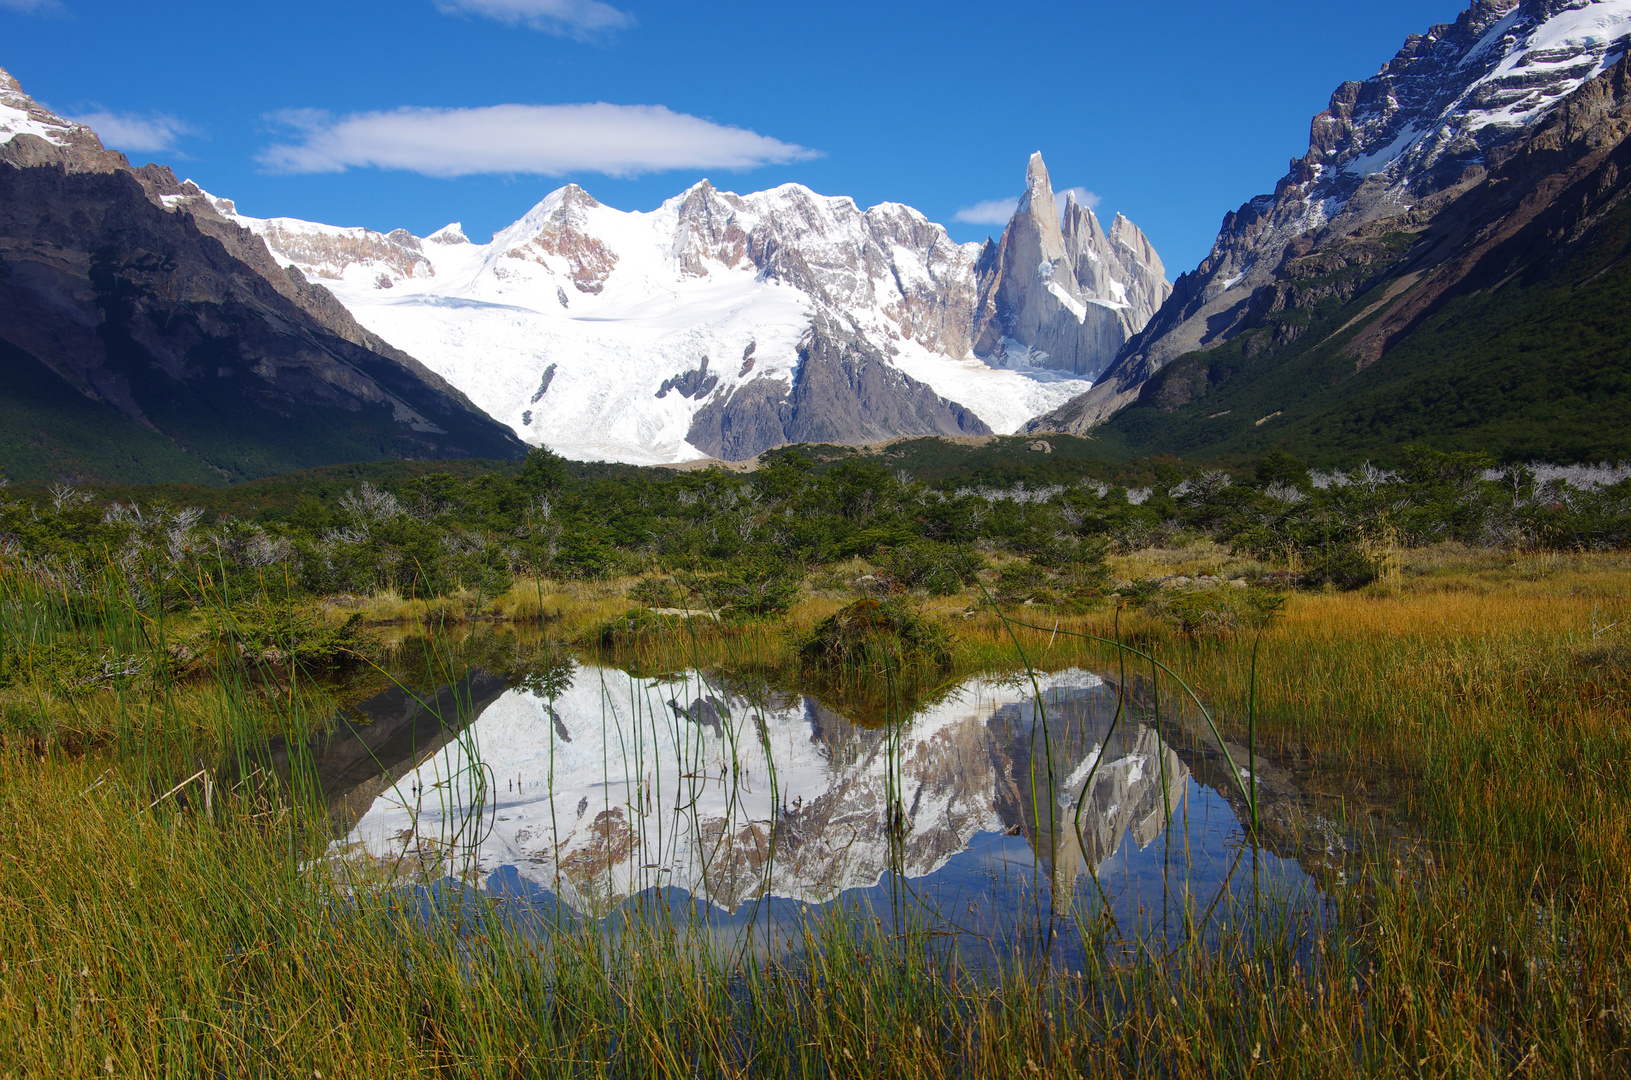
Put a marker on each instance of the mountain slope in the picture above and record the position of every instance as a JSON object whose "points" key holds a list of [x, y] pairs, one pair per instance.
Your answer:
{"points": [[1503, 323], [146, 337], [1390, 155], [699, 328]]}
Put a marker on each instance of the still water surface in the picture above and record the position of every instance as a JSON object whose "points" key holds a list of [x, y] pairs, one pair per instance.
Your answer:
{"points": [[1005, 811]]}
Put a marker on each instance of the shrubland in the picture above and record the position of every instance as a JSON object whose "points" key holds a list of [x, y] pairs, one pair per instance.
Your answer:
{"points": [[1438, 654], [745, 543]]}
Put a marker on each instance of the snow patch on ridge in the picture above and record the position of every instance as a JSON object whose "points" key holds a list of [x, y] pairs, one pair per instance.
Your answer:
{"points": [[21, 115], [1530, 64]]}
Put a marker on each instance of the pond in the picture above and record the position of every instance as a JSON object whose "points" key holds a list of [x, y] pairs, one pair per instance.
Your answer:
{"points": [[1006, 812]]}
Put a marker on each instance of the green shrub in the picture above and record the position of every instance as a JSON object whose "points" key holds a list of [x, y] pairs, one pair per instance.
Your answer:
{"points": [[281, 631], [871, 634], [1019, 582], [1220, 613], [1140, 592], [1343, 567], [657, 593], [942, 569], [637, 626], [754, 590], [77, 666]]}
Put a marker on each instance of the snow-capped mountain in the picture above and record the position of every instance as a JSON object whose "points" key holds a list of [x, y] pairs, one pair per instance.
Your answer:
{"points": [[1398, 147], [22, 115], [620, 784], [722, 324]]}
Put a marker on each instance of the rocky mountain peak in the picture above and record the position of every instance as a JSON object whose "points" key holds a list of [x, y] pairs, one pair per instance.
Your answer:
{"points": [[1038, 216], [1080, 226], [22, 115], [31, 135], [449, 235], [1399, 145], [1056, 291], [573, 197], [1129, 236], [1037, 181], [708, 229]]}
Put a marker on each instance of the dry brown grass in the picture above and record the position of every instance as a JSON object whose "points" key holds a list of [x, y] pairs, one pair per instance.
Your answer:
{"points": [[1203, 557]]}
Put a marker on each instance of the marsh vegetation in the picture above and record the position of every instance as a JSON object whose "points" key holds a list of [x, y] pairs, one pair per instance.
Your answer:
{"points": [[252, 771]]}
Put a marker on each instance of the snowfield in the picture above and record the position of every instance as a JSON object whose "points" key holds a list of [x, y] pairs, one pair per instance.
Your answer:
{"points": [[567, 325]]}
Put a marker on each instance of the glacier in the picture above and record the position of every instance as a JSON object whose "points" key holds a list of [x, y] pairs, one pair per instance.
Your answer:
{"points": [[568, 324]]}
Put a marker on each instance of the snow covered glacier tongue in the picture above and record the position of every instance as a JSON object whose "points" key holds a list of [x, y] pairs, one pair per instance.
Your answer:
{"points": [[723, 325]]}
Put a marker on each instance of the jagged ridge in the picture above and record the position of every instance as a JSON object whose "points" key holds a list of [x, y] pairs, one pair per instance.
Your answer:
{"points": [[1400, 146], [624, 308]]}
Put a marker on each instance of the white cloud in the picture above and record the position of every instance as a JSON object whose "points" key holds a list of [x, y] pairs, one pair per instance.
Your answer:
{"points": [[34, 7], [567, 18], [1084, 197], [989, 212], [133, 133], [546, 140], [998, 211]]}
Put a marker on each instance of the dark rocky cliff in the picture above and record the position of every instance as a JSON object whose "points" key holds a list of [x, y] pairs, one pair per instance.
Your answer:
{"points": [[1386, 157], [844, 392], [144, 337]]}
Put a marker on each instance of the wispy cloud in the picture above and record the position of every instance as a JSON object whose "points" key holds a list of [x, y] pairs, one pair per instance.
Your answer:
{"points": [[1084, 197], [34, 7], [545, 140], [566, 18], [152, 133], [989, 212], [998, 211]]}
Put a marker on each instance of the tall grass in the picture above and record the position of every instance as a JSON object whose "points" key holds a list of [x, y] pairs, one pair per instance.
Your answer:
{"points": [[1477, 713]]}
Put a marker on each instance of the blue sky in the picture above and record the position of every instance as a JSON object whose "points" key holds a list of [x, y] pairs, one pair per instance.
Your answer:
{"points": [[420, 112]]}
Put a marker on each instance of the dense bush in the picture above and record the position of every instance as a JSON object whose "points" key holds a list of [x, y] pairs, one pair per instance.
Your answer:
{"points": [[744, 542], [754, 588], [1343, 567], [876, 635], [942, 569]]}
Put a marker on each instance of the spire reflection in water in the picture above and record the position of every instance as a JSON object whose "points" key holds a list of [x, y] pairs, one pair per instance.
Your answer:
{"points": [[1002, 803]]}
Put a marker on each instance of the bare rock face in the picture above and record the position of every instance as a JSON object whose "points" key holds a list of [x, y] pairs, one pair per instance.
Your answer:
{"points": [[1057, 291], [138, 295], [889, 260], [32, 135], [399, 250], [563, 234], [1398, 147], [845, 392]]}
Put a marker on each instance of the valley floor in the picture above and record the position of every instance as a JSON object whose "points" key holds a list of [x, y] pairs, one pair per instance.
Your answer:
{"points": [[1472, 707]]}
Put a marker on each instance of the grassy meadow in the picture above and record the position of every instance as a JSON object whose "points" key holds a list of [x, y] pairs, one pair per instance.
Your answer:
{"points": [[164, 909]]}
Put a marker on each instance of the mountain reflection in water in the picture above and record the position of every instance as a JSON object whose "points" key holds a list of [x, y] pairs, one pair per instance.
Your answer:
{"points": [[621, 784]]}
